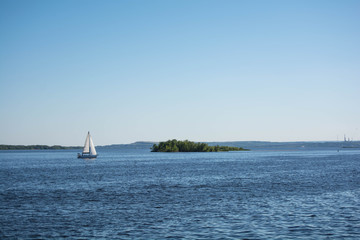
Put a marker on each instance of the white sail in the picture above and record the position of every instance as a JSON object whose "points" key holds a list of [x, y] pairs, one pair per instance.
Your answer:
{"points": [[89, 151], [92, 148], [87, 144]]}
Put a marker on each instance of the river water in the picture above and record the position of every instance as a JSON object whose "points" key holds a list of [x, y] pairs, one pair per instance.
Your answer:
{"points": [[136, 194]]}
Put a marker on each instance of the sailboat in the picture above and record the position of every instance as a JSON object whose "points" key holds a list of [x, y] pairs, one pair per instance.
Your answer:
{"points": [[89, 149]]}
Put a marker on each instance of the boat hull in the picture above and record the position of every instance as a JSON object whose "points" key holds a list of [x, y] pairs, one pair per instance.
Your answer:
{"points": [[87, 156]]}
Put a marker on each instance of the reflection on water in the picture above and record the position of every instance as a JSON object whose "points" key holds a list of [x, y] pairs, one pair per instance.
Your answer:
{"points": [[142, 195]]}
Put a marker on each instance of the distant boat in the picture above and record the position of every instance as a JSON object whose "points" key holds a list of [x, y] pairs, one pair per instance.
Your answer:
{"points": [[89, 149]]}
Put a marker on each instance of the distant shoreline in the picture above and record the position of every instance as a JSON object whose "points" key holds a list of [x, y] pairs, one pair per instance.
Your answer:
{"points": [[253, 145], [36, 147]]}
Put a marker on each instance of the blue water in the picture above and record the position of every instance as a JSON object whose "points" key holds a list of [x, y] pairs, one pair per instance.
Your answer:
{"points": [[136, 194]]}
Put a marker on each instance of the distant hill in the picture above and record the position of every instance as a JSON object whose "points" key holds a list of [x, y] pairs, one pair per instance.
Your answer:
{"points": [[262, 145], [253, 145], [135, 145]]}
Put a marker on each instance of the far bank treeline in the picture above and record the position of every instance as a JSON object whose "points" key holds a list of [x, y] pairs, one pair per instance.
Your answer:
{"points": [[188, 146], [34, 147]]}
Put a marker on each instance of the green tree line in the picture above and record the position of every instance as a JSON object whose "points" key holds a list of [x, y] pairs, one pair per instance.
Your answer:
{"points": [[188, 146], [34, 147]]}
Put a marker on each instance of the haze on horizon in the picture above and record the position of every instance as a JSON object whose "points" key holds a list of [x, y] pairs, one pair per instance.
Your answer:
{"points": [[201, 70]]}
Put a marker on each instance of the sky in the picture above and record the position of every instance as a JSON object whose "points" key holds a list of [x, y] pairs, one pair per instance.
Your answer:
{"points": [[201, 70]]}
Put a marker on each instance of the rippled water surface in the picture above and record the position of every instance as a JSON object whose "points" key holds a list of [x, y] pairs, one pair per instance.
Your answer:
{"points": [[135, 194]]}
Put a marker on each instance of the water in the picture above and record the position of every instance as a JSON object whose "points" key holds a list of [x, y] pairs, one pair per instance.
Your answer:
{"points": [[135, 194]]}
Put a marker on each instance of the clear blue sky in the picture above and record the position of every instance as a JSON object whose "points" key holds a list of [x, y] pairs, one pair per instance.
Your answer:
{"points": [[198, 70]]}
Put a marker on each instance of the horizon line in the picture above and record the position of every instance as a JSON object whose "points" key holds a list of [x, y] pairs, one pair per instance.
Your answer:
{"points": [[309, 141]]}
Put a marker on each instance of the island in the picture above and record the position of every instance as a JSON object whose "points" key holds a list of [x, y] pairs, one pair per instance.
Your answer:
{"points": [[188, 146]]}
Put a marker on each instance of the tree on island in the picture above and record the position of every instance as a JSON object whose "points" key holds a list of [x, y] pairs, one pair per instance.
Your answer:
{"points": [[188, 146]]}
